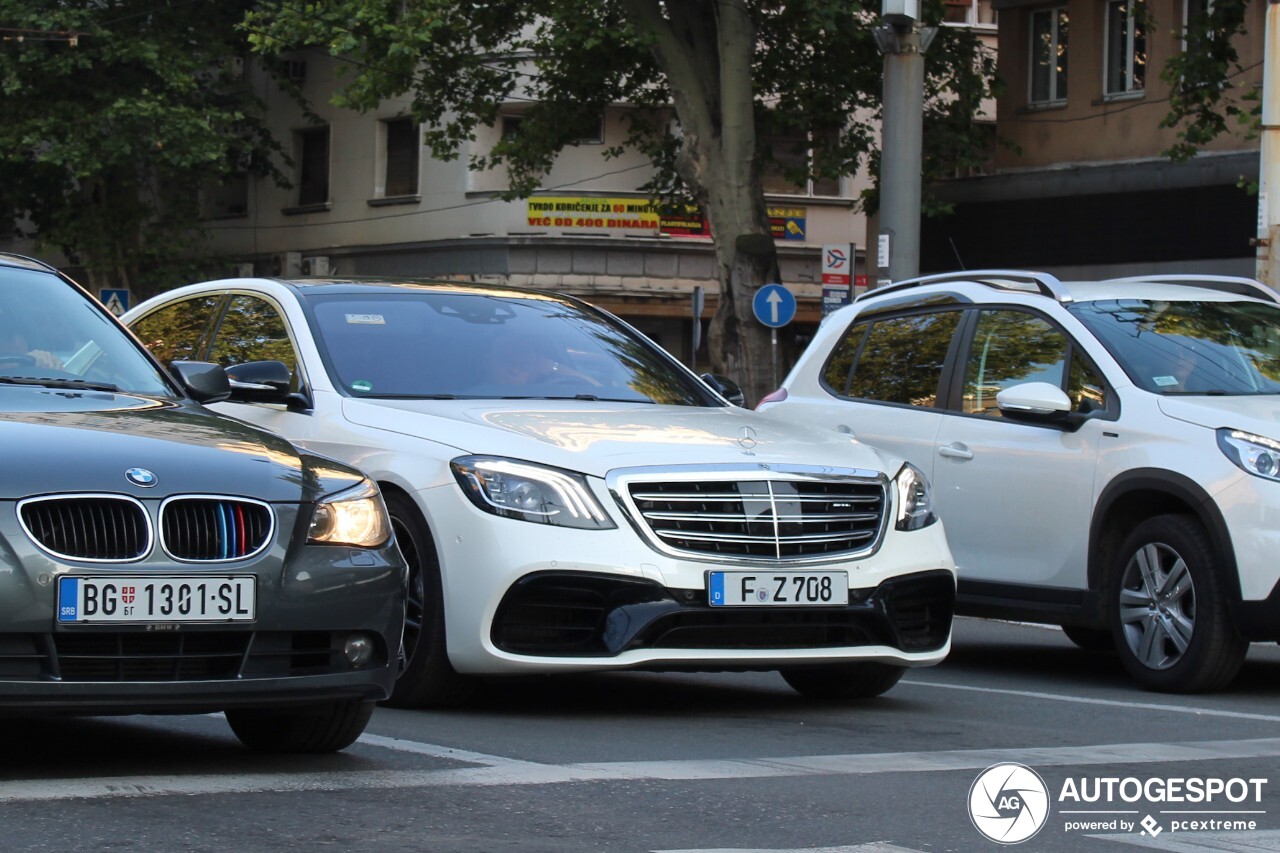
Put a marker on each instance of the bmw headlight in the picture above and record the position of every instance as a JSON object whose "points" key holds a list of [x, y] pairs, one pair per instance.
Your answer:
{"points": [[915, 503], [1255, 454], [355, 516], [523, 490]]}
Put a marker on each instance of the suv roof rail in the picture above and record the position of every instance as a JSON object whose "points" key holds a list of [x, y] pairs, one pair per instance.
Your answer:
{"points": [[1239, 285], [23, 260], [1039, 282]]}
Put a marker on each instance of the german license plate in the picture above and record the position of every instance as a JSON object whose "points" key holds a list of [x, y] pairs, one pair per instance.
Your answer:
{"points": [[739, 589], [198, 598]]}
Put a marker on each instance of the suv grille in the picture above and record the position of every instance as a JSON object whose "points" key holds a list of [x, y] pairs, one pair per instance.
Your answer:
{"points": [[209, 529], [762, 519], [88, 527]]}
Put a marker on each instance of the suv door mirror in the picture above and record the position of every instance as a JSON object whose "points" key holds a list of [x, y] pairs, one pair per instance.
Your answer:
{"points": [[1038, 402], [203, 381], [726, 387]]}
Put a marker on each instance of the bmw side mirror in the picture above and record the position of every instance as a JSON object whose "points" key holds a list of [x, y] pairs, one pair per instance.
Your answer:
{"points": [[203, 381], [726, 387]]}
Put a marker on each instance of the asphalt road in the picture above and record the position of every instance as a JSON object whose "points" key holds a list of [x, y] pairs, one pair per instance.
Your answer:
{"points": [[695, 762]]}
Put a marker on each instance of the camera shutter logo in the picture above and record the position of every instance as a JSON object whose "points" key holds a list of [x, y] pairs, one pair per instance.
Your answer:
{"points": [[1008, 803]]}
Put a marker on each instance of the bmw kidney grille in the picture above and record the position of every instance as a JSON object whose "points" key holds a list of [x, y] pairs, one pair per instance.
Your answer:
{"points": [[118, 529]]}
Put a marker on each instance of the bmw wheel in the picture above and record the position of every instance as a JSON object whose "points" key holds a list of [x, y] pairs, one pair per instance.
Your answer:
{"points": [[426, 679], [861, 680], [315, 728], [1168, 610]]}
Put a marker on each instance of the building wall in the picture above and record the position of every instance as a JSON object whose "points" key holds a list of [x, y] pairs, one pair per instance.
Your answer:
{"points": [[1089, 126]]}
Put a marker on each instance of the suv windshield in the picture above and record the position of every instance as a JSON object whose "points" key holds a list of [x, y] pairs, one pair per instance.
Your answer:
{"points": [[50, 334], [438, 343], [1190, 347]]}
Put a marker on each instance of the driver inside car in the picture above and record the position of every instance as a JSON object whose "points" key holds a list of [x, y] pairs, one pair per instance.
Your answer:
{"points": [[14, 346]]}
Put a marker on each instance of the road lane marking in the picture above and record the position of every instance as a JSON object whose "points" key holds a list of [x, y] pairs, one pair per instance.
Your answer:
{"points": [[869, 847], [1198, 842], [496, 771], [1085, 700]]}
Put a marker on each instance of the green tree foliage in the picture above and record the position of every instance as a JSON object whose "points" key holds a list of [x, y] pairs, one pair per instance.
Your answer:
{"points": [[1203, 102], [727, 70], [116, 113]]}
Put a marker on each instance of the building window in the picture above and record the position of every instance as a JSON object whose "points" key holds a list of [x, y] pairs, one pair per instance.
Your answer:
{"points": [[1126, 47], [402, 149], [970, 13], [1195, 16], [790, 155], [313, 165], [592, 132], [1049, 56]]}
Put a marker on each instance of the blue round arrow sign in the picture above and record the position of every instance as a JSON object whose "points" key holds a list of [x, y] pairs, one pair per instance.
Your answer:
{"points": [[774, 305]]}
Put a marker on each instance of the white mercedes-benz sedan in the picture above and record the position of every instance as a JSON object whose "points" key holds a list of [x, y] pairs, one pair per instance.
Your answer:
{"points": [[569, 497]]}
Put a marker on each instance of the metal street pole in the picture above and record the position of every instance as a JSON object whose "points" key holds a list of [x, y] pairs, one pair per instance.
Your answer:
{"points": [[1268, 241], [903, 43]]}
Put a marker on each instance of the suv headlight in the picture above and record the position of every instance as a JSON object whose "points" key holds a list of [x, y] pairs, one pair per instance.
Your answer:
{"points": [[355, 516], [915, 503], [1255, 454], [529, 492]]}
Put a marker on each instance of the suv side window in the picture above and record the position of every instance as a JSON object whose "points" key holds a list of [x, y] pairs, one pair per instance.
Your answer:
{"points": [[1011, 347], [901, 358], [253, 330], [178, 332]]}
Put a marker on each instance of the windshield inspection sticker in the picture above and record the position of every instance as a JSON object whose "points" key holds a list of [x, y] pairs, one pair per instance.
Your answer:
{"points": [[362, 385], [366, 319], [1165, 380]]}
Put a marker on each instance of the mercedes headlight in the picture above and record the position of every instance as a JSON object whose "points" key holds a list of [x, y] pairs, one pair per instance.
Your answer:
{"points": [[915, 503], [529, 492], [355, 516], [1255, 454]]}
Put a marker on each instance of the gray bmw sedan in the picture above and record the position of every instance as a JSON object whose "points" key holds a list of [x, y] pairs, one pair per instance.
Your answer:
{"points": [[156, 557]]}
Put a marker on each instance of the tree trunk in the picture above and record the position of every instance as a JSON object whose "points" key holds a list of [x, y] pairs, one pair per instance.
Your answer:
{"points": [[706, 48]]}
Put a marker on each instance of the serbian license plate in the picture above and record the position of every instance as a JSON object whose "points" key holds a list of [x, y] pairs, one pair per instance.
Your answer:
{"points": [[729, 589], [198, 598]]}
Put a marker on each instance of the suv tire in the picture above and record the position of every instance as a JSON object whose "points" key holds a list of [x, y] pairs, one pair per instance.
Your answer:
{"points": [[1090, 639], [1168, 611]]}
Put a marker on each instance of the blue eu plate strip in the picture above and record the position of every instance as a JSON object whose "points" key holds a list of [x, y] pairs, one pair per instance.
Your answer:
{"points": [[68, 599], [715, 588]]}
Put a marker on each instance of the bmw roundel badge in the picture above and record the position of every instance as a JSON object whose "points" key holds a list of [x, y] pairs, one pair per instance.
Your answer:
{"points": [[141, 477]]}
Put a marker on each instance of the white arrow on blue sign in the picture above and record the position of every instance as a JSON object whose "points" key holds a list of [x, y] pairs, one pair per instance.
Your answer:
{"points": [[774, 305]]}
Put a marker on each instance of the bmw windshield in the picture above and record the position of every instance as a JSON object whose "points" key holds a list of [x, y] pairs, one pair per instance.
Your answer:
{"points": [[437, 343], [1190, 347], [52, 336]]}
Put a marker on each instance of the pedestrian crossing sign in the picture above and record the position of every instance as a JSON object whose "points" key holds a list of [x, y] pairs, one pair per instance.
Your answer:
{"points": [[117, 301]]}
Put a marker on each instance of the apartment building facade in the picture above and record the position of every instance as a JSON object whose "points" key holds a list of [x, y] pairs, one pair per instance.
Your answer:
{"points": [[368, 200], [1082, 186]]}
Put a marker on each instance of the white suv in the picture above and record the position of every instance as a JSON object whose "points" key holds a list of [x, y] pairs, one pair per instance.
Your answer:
{"points": [[1105, 455]]}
